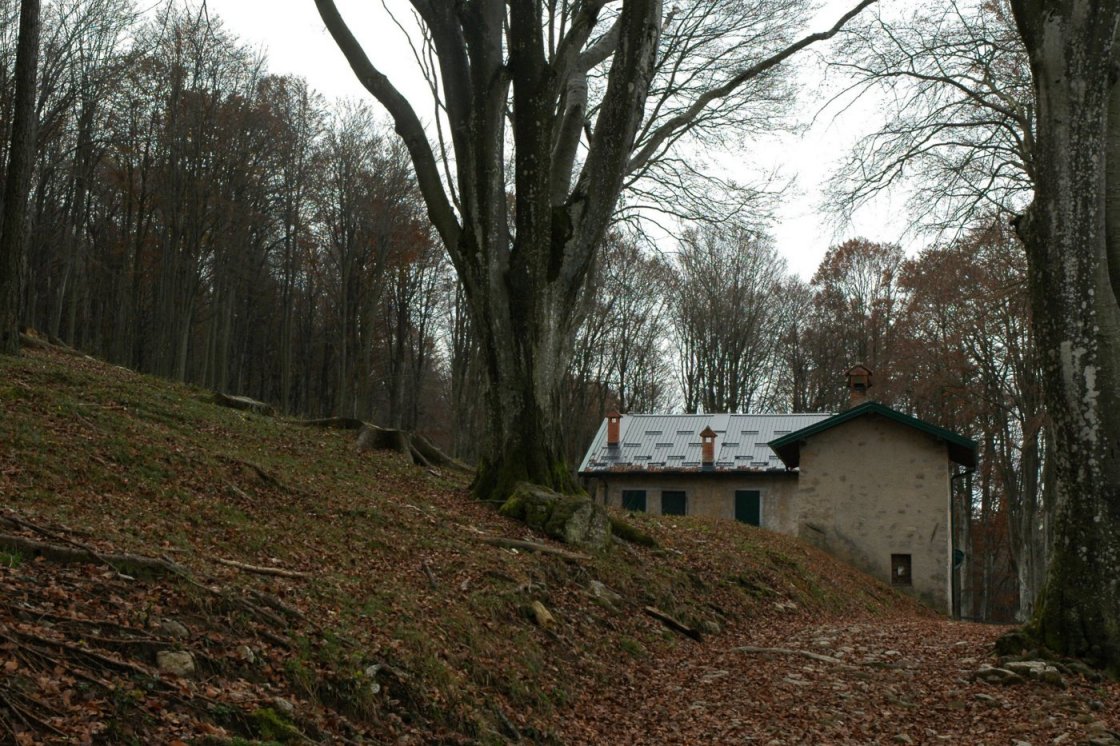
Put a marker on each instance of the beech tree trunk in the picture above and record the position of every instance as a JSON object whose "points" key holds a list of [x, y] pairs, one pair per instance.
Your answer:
{"points": [[1072, 237], [21, 161]]}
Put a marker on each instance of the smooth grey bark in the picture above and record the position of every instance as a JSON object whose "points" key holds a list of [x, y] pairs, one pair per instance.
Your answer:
{"points": [[21, 162], [1067, 232], [523, 265]]}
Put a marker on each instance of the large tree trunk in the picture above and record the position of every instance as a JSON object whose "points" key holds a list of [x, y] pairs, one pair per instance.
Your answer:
{"points": [[1077, 320], [21, 161]]}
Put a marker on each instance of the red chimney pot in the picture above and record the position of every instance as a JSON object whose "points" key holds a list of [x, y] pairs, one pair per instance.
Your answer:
{"points": [[613, 420], [708, 446]]}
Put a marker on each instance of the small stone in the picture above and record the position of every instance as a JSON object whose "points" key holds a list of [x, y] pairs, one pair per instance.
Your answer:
{"points": [[246, 654], [1096, 705], [175, 629], [903, 738], [604, 595], [541, 615], [283, 706], [1017, 742], [986, 699], [176, 663], [709, 627]]}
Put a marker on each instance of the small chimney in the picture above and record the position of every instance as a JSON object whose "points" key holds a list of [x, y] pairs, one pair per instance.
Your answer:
{"points": [[859, 381], [708, 447], [613, 421]]}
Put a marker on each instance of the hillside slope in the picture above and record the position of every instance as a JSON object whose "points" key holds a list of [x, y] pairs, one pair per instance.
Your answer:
{"points": [[391, 620]]}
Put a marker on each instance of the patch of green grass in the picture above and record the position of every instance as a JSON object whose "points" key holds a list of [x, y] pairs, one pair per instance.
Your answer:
{"points": [[632, 647], [10, 560]]}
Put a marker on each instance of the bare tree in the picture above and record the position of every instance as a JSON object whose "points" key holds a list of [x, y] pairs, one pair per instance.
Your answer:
{"points": [[1072, 235], [17, 182], [728, 313], [517, 78]]}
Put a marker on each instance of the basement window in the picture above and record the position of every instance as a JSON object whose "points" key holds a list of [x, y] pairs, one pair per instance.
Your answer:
{"points": [[900, 570], [634, 500]]}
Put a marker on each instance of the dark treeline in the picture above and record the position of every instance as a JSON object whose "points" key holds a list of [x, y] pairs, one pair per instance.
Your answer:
{"points": [[196, 217]]}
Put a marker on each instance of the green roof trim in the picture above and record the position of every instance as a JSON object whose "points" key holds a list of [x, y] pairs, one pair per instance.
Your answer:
{"points": [[788, 447]]}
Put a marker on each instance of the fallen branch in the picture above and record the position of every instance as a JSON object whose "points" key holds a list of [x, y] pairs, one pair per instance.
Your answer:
{"points": [[673, 624], [532, 546], [789, 651], [431, 575], [259, 570]]}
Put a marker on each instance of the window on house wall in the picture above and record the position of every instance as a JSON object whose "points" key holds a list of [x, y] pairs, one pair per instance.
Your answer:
{"points": [[900, 570], [674, 502], [634, 500], [748, 507]]}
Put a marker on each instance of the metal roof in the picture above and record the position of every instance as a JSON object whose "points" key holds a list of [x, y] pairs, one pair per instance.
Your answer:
{"points": [[671, 442]]}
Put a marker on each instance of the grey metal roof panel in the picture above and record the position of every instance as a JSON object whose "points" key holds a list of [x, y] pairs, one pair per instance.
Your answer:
{"points": [[673, 441]]}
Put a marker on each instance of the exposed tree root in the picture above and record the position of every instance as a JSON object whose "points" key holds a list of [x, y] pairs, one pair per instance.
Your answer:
{"points": [[333, 423], [128, 564], [532, 546], [244, 404], [674, 624], [788, 651], [419, 449]]}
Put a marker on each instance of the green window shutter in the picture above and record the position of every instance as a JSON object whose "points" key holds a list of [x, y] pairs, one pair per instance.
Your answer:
{"points": [[748, 507], [634, 500], [674, 502]]}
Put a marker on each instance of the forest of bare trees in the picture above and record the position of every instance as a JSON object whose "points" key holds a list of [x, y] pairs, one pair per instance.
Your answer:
{"points": [[193, 216]]}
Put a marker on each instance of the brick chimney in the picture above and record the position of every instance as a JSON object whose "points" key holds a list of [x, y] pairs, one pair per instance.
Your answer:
{"points": [[859, 381], [613, 421], [707, 447]]}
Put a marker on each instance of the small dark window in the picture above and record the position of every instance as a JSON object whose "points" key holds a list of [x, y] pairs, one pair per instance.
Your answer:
{"points": [[748, 507], [634, 500], [900, 569], [673, 502]]}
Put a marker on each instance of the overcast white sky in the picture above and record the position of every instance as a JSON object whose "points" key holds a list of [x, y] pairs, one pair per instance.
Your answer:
{"points": [[296, 42]]}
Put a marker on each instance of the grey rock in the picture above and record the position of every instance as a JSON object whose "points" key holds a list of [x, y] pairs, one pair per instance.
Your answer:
{"points": [[1037, 670], [283, 706], [573, 519], [176, 662], [709, 627], [176, 629], [604, 595], [994, 675]]}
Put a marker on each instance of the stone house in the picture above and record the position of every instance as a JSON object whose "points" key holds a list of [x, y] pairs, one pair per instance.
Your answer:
{"points": [[870, 485]]}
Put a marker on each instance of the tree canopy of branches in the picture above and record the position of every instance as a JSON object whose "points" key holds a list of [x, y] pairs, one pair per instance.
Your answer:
{"points": [[515, 83], [955, 82], [729, 310]]}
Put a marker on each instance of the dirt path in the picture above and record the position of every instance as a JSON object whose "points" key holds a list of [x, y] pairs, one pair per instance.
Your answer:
{"points": [[907, 681]]}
